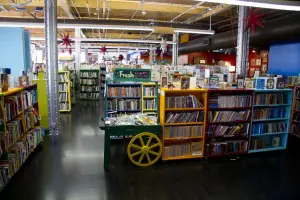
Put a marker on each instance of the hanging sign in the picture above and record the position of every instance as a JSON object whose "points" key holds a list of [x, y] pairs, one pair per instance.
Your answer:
{"points": [[125, 74]]}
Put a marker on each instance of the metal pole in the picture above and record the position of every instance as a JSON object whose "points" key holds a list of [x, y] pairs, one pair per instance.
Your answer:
{"points": [[51, 65], [175, 49], [242, 43], [77, 48]]}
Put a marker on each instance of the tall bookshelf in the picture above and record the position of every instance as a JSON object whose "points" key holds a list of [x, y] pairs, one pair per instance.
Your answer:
{"points": [[183, 118], [229, 120], [295, 117], [150, 103], [73, 85], [102, 80], [19, 131], [89, 84], [270, 120], [64, 89], [123, 98]]}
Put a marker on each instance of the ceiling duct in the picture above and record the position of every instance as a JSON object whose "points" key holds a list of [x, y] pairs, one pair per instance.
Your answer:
{"points": [[278, 30]]}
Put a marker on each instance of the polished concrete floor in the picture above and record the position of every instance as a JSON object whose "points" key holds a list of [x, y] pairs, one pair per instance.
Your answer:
{"points": [[70, 167]]}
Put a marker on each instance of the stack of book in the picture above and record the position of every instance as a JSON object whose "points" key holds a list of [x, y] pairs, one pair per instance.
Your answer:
{"points": [[150, 104], [183, 131], [264, 128], [184, 117], [124, 92], [264, 99], [228, 131], [150, 91], [269, 113], [123, 105], [185, 149], [228, 147], [30, 98], [13, 106], [228, 116], [183, 102]]}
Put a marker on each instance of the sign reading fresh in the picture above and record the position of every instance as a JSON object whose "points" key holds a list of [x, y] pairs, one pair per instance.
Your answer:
{"points": [[125, 74]]}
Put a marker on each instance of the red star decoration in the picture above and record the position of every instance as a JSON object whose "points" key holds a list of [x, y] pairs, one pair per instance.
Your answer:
{"points": [[66, 40], [253, 20], [121, 57], [103, 49], [70, 51]]}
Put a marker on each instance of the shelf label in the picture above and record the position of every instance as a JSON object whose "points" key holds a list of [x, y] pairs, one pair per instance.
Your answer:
{"points": [[125, 74]]}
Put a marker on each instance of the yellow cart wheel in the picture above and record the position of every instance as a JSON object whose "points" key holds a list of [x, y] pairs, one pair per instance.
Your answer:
{"points": [[144, 149]]}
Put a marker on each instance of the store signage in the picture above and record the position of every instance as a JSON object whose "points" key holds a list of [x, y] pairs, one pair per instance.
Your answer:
{"points": [[125, 74]]}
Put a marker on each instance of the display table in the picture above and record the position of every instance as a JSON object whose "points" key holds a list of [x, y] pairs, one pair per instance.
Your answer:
{"points": [[145, 133]]}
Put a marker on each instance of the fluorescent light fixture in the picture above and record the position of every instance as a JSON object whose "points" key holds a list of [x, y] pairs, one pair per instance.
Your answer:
{"points": [[279, 5], [182, 30]]}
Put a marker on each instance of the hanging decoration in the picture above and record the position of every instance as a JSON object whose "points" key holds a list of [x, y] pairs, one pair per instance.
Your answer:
{"points": [[70, 51], [66, 40], [103, 49], [163, 47], [253, 20], [158, 51], [62, 51], [121, 57]]}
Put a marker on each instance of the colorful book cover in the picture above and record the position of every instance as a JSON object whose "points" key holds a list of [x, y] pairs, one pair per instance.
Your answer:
{"points": [[240, 83], [280, 83], [270, 83], [260, 83], [214, 82]]}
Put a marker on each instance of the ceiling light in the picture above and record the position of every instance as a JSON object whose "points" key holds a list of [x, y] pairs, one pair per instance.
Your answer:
{"points": [[279, 5], [206, 32], [144, 12]]}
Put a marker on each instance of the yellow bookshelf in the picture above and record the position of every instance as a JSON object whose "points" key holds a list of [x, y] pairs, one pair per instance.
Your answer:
{"points": [[64, 82], [172, 142], [153, 97]]}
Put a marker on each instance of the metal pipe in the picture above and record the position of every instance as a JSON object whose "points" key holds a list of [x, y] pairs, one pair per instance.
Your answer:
{"points": [[76, 9], [103, 8], [87, 6], [188, 10]]}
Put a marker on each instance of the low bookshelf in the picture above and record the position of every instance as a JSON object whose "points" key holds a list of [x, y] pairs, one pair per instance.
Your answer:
{"points": [[150, 103], [270, 120], [20, 132], [295, 116], [228, 122], [64, 90], [102, 80], [183, 118], [89, 84]]}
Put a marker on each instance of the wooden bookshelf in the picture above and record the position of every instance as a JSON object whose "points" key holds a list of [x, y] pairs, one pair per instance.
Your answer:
{"points": [[89, 84], [270, 120], [153, 97], [20, 128], [294, 123], [64, 95], [230, 102], [181, 147]]}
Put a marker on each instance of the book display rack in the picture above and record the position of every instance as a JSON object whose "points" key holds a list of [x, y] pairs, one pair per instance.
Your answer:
{"points": [[150, 98], [89, 84], [64, 88], [19, 131], [229, 118], [295, 117], [102, 80], [270, 120], [183, 119]]}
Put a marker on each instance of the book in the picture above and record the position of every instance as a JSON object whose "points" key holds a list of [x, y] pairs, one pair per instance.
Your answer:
{"points": [[269, 99], [228, 130], [240, 83], [193, 82], [280, 83], [249, 84], [184, 117], [214, 82], [265, 128], [228, 116], [270, 83], [229, 101], [183, 131], [183, 102], [185, 82], [260, 83], [226, 147], [269, 113]]}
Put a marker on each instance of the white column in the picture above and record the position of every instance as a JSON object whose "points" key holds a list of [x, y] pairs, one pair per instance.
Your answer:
{"points": [[175, 49], [77, 49]]}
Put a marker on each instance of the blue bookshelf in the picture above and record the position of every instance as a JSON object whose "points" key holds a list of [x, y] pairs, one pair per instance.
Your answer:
{"points": [[270, 120]]}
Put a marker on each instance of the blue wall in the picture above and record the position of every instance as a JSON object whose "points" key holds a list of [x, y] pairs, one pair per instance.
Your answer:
{"points": [[12, 49], [285, 59]]}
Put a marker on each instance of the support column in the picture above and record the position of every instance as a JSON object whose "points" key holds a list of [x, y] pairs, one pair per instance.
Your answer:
{"points": [[175, 49], [51, 65], [77, 48], [151, 54], [86, 53], [242, 43]]}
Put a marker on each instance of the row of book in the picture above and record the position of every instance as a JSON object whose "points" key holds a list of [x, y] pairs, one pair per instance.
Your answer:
{"points": [[121, 104], [17, 155], [269, 113], [266, 99], [183, 102], [124, 92], [95, 95], [183, 131], [63, 96], [150, 91], [226, 147], [228, 131], [297, 105], [274, 141], [13, 105], [228, 116], [295, 129], [30, 98], [64, 106], [12, 135], [184, 117], [150, 104], [296, 117], [89, 75], [86, 88], [62, 87], [63, 77], [31, 119], [89, 81], [186, 149], [230, 101], [263, 128]]}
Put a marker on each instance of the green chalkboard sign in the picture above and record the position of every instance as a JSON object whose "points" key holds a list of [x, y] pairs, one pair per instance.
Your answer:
{"points": [[138, 75]]}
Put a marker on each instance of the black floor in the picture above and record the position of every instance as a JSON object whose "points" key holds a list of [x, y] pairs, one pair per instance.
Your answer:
{"points": [[70, 167]]}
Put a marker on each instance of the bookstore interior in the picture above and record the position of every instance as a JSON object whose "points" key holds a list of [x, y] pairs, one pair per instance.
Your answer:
{"points": [[225, 83]]}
